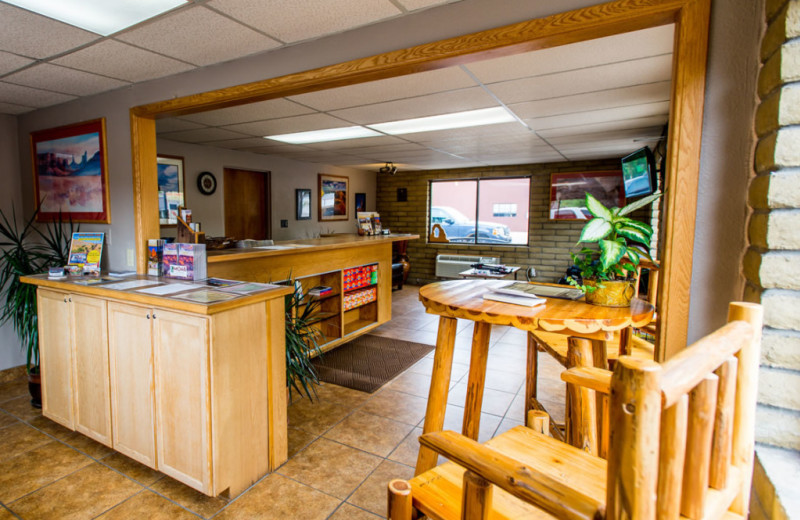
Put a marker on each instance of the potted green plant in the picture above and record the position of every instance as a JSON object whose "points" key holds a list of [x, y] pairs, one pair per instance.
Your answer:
{"points": [[608, 272], [28, 251], [301, 342]]}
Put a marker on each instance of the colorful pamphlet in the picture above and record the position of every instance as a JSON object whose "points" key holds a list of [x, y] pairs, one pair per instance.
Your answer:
{"points": [[184, 261], [86, 251], [155, 252]]}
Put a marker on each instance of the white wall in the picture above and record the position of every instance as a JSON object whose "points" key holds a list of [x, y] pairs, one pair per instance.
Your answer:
{"points": [[287, 175], [11, 354]]}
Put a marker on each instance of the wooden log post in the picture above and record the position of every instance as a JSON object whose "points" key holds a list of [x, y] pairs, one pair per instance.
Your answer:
{"points": [[476, 380], [702, 403], [531, 374], [722, 441], [672, 453], [399, 500], [476, 498], [581, 404], [539, 421]]}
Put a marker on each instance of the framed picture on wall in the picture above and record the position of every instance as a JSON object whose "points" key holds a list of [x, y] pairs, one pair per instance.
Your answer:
{"points": [[333, 197], [171, 188], [70, 172], [568, 193], [303, 202], [361, 202]]}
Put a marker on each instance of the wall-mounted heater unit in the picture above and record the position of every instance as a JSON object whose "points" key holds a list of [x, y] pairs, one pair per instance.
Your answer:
{"points": [[448, 266]]}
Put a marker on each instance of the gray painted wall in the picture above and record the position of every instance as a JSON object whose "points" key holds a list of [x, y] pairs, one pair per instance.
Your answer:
{"points": [[727, 142]]}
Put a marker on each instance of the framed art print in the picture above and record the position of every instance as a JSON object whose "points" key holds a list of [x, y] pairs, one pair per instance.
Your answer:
{"points": [[568, 193], [303, 204], [361, 202], [333, 197], [70, 172], [171, 189]]}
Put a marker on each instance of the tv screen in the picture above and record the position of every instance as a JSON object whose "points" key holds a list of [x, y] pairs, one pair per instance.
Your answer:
{"points": [[639, 173]]}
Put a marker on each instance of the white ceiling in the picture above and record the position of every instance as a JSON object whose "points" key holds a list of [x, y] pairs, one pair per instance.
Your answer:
{"points": [[597, 99]]}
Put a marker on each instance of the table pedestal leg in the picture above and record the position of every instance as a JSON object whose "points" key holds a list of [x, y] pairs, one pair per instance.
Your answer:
{"points": [[477, 379], [532, 375], [440, 383]]}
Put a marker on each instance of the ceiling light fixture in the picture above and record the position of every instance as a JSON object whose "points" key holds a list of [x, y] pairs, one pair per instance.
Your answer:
{"points": [[99, 16], [321, 136], [483, 116], [390, 168]]}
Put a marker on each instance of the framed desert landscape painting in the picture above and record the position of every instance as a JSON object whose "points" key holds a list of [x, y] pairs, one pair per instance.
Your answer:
{"points": [[70, 172], [333, 197]]}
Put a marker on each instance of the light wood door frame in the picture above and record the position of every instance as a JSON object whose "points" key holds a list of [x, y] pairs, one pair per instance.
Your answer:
{"points": [[691, 19], [267, 196]]}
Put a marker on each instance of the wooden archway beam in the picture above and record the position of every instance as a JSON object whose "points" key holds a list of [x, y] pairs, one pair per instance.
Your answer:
{"points": [[691, 21]]}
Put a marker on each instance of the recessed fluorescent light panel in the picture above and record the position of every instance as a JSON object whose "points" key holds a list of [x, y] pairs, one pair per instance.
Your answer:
{"points": [[484, 116], [321, 136], [99, 16]]}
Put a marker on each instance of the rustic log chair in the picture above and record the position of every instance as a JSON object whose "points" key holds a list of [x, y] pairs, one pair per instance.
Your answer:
{"points": [[697, 408]]}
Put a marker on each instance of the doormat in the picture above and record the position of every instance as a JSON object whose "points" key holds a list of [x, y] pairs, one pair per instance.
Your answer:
{"points": [[369, 362]]}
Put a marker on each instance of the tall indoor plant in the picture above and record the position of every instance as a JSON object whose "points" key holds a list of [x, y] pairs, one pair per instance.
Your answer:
{"points": [[607, 272], [301, 342], [28, 250]]}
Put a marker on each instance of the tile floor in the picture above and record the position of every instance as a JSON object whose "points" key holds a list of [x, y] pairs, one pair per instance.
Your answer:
{"points": [[342, 450]]}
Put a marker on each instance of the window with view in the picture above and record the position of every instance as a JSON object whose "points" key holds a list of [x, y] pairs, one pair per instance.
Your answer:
{"points": [[482, 211]]}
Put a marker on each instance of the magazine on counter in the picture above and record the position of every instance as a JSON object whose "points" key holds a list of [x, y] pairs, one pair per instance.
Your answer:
{"points": [[86, 251], [540, 291]]}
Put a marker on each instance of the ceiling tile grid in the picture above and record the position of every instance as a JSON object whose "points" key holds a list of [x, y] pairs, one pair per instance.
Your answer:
{"points": [[31, 97], [36, 36], [63, 80]]}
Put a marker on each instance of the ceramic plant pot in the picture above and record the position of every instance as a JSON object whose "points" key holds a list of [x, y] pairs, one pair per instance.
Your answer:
{"points": [[35, 389], [616, 293]]}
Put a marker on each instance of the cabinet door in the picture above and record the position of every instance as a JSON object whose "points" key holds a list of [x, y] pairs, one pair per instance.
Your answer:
{"points": [[183, 401], [55, 356], [131, 365], [91, 395]]}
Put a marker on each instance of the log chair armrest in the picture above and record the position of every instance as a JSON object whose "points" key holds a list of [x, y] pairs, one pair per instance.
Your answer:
{"points": [[522, 481], [593, 378]]}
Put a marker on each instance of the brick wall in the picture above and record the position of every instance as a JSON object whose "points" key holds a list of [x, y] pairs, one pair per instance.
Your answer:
{"points": [[772, 261], [550, 241]]}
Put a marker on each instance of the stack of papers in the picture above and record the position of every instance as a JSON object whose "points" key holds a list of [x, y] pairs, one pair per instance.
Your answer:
{"points": [[518, 293]]}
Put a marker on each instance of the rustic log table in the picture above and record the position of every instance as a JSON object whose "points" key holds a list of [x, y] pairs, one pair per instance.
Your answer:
{"points": [[463, 299]]}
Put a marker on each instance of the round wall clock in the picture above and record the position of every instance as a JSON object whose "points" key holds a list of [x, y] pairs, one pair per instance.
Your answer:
{"points": [[206, 183]]}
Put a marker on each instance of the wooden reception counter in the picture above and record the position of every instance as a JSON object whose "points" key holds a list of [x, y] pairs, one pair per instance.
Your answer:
{"points": [[195, 390], [355, 304]]}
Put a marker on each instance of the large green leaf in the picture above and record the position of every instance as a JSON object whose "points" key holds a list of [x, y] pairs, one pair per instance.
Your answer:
{"points": [[611, 253], [634, 234], [633, 255], [642, 252], [633, 206], [644, 228], [597, 209], [596, 229]]}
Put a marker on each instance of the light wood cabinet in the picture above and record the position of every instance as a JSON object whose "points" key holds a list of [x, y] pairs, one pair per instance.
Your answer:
{"points": [[55, 351]]}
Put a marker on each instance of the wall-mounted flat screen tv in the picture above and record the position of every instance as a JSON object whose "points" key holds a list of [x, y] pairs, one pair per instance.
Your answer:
{"points": [[639, 173]]}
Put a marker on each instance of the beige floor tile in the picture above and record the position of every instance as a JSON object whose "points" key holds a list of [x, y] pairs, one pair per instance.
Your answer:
{"points": [[316, 417], [86, 445], [50, 427], [83, 494], [494, 401], [298, 439], [340, 395], [454, 418], [403, 407], [371, 495], [189, 498], [14, 389], [132, 469], [6, 419], [407, 451], [411, 383], [5, 514], [21, 407], [503, 381], [330, 467], [370, 433], [33, 469], [279, 498], [19, 438], [505, 425], [148, 505], [348, 512]]}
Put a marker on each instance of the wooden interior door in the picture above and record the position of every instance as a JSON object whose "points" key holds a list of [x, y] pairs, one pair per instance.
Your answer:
{"points": [[247, 206]]}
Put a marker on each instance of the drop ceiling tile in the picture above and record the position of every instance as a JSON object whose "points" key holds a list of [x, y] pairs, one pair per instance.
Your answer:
{"points": [[122, 61], [618, 97], [618, 48], [296, 20], [401, 87], [64, 80], [202, 135], [385, 151], [271, 109], [431, 105], [239, 144], [10, 108], [32, 97], [199, 36], [174, 124], [347, 144], [603, 127], [604, 77], [523, 159], [640, 133], [602, 152], [413, 5], [11, 62], [289, 125], [601, 116], [37, 36], [441, 163], [508, 129]]}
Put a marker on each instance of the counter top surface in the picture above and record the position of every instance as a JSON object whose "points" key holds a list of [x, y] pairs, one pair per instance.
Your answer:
{"points": [[176, 301], [340, 241]]}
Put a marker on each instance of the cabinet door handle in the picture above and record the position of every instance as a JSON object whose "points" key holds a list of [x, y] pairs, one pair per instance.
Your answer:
{"points": [[148, 316], [154, 315], [70, 300], [65, 299]]}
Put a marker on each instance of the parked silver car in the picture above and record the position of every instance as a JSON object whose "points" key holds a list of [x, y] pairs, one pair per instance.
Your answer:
{"points": [[459, 228]]}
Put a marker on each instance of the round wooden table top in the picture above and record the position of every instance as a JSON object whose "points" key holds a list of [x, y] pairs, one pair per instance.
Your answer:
{"points": [[464, 299]]}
